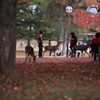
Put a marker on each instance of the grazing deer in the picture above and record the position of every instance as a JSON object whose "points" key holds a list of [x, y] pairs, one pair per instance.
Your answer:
{"points": [[52, 48], [81, 48], [29, 51]]}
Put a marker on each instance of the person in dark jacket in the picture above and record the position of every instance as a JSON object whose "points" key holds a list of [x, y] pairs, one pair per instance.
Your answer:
{"points": [[73, 41]]}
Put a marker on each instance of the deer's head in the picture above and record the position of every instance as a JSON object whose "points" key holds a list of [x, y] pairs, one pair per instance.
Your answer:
{"points": [[34, 58], [59, 42]]}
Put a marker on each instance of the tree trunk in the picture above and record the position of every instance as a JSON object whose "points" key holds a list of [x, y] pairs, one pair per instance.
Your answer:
{"points": [[8, 37], [99, 53], [61, 29], [65, 45], [67, 33], [61, 24], [29, 35]]}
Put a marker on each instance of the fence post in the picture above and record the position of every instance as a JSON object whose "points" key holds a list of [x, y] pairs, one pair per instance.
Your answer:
{"points": [[99, 53]]}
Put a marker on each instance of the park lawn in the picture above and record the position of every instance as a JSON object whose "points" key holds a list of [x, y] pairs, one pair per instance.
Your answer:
{"points": [[53, 81]]}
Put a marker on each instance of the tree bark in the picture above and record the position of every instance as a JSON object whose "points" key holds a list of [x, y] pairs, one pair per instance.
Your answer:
{"points": [[61, 29], [99, 53], [8, 37], [67, 34]]}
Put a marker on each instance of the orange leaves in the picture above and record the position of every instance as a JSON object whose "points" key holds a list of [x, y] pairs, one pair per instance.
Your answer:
{"points": [[85, 19], [62, 2], [15, 88], [21, 1], [88, 3]]}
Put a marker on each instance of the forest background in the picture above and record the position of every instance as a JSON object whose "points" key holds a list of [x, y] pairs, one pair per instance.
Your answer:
{"points": [[52, 18]]}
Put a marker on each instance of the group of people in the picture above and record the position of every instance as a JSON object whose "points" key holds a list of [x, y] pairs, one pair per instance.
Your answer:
{"points": [[73, 42]]}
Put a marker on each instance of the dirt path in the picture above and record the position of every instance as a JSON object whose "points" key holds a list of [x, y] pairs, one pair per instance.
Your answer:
{"points": [[20, 58], [21, 54]]}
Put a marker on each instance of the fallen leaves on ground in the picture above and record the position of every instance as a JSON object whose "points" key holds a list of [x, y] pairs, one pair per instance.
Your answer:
{"points": [[54, 79]]}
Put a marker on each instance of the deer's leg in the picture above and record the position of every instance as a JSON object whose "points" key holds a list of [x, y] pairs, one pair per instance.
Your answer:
{"points": [[50, 53], [54, 53], [30, 59], [73, 53], [87, 53], [78, 54], [44, 52], [81, 53], [26, 56], [34, 58]]}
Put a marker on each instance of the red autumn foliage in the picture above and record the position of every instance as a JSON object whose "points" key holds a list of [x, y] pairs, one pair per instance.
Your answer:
{"points": [[21, 1], [86, 19], [63, 2], [89, 3]]}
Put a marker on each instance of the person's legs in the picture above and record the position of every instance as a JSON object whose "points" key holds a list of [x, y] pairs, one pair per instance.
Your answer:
{"points": [[95, 56], [73, 53], [40, 50]]}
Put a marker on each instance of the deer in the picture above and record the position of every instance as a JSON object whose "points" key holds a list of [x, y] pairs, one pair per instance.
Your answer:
{"points": [[81, 48], [52, 48], [29, 51]]}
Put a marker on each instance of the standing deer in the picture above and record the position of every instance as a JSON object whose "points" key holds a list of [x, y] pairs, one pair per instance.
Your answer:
{"points": [[29, 51], [81, 48], [52, 48]]}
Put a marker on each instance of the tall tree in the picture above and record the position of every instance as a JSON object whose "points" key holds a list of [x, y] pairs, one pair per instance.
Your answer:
{"points": [[29, 20], [85, 19], [25, 21], [8, 37]]}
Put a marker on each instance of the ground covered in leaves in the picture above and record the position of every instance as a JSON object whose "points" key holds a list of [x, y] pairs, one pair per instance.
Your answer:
{"points": [[54, 79]]}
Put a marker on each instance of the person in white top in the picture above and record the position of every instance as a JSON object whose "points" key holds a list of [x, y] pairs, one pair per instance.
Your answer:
{"points": [[58, 52]]}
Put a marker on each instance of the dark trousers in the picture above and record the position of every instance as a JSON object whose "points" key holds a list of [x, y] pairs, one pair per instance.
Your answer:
{"points": [[95, 56], [40, 50]]}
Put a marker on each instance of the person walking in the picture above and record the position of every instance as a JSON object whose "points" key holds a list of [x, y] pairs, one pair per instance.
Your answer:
{"points": [[40, 44]]}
